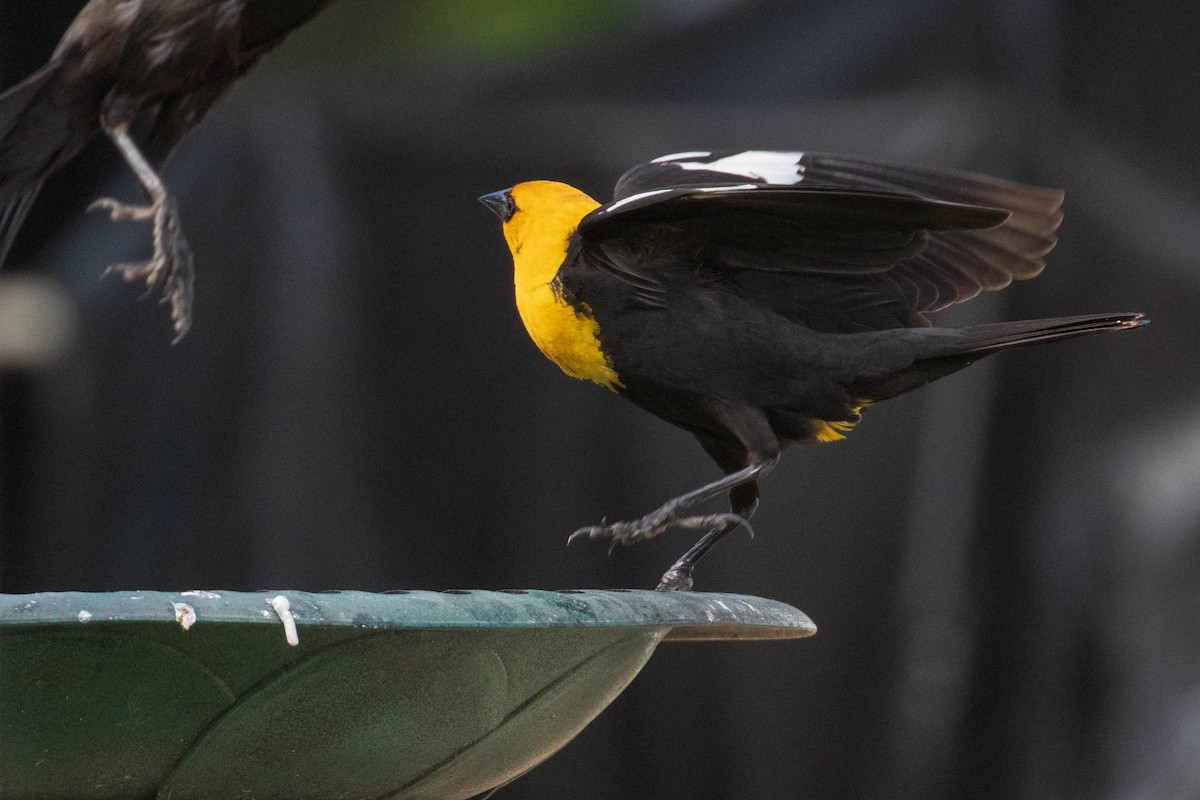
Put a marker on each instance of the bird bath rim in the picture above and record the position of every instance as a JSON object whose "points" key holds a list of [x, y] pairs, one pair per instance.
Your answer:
{"points": [[288, 695]]}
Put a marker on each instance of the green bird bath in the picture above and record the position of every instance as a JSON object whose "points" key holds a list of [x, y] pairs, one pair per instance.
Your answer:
{"points": [[302, 696]]}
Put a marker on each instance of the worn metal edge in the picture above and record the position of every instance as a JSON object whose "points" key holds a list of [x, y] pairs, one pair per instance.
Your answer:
{"points": [[688, 615]]}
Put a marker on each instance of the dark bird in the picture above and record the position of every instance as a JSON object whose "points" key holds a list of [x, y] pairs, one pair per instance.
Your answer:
{"points": [[117, 59], [763, 299]]}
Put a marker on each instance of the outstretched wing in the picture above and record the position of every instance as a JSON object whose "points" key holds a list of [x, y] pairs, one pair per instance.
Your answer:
{"points": [[866, 244], [34, 137]]}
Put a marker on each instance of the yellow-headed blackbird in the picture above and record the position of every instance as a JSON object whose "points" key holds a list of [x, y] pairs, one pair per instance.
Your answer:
{"points": [[761, 299], [117, 59]]}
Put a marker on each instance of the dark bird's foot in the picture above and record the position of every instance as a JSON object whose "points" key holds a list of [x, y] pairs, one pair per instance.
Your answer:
{"points": [[656, 522], [676, 579], [170, 270], [679, 577]]}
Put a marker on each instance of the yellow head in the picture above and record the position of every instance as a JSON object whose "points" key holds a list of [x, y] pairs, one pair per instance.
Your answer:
{"points": [[539, 218]]}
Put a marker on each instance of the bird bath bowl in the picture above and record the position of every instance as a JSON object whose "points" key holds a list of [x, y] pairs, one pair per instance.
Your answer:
{"points": [[294, 695]]}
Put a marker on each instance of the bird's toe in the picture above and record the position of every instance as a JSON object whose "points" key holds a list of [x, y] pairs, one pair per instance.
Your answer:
{"points": [[676, 579], [170, 273], [122, 212], [588, 532]]}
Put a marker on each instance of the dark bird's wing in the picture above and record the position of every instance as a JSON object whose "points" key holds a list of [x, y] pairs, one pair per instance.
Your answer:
{"points": [[49, 116], [12, 217], [116, 60], [263, 25], [868, 244], [32, 140]]}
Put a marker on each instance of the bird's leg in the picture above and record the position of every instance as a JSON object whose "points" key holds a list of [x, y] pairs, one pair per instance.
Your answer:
{"points": [[668, 516], [169, 271], [679, 577]]}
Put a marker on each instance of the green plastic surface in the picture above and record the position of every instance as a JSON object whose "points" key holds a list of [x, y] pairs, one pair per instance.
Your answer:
{"points": [[408, 695]]}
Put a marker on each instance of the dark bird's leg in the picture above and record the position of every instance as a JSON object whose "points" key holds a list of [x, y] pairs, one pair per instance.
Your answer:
{"points": [[743, 500], [679, 577], [753, 453], [668, 516], [169, 270]]}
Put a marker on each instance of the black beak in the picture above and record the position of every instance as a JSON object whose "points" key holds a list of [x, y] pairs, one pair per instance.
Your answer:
{"points": [[501, 203]]}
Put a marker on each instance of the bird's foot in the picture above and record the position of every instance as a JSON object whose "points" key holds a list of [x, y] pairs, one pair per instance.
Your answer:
{"points": [[654, 523], [676, 579], [123, 212], [170, 270]]}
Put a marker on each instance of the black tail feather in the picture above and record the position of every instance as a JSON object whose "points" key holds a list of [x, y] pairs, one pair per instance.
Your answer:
{"points": [[12, 216], [14, 101], [37, 134], [979, 341], [986, 339]]}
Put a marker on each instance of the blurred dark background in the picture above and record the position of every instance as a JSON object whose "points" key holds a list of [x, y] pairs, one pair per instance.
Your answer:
{"points": [[1003, 566]]}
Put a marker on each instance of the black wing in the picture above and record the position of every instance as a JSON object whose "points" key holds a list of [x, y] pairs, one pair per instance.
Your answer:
{"points": [[30, 143], [953, 253], [264, 24]]}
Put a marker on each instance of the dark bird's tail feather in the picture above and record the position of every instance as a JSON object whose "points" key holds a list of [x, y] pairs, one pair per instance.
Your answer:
{"points": [[979, 341], [35, 137], [12, 216], [987, 339], [14, 101]]}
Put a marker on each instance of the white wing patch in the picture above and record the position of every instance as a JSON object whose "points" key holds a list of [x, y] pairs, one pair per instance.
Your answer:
{"points": [[682, 156], [632, 197], [734, 188], [705, 189], [775, 167]]}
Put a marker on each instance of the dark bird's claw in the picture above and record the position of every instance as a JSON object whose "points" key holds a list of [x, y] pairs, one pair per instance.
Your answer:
{"points": [[676, 579], [170, 270], [654, 523], [679, 577], [122, 212]]}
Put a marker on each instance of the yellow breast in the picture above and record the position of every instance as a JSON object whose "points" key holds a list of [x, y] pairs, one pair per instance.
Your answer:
{"points": [[537, 234]]}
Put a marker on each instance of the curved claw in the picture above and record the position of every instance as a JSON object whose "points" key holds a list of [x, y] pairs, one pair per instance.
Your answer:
{"points": [[601, 531], [625, 533], [590, 532], [170, 270], [120, 212], [651, 525], [129, 272], [593, 531]]}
